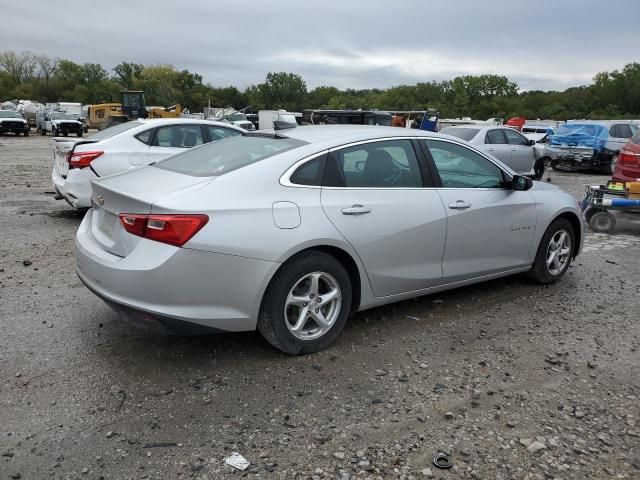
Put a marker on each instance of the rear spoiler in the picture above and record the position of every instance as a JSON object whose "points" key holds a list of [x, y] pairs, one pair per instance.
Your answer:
{"points": [[73, 148]]}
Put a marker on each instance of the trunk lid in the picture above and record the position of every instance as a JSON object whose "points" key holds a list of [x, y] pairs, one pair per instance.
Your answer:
{"points": [[132, 192]]}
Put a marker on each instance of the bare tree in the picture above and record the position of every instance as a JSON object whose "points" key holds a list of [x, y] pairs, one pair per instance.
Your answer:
{"points": [[47, 67], [19, 66]]}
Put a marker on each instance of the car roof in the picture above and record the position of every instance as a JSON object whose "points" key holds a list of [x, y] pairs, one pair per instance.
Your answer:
{"points": [[606, 123], [347, 133], [174, 121]]}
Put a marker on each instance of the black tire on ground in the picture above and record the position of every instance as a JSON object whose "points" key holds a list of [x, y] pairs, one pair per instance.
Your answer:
{"points": [[610, 167], [538, 168], [272, 322], [80, 134], [540, 271], [65, 134], [26, 133], [54, 131], [602, 222]]}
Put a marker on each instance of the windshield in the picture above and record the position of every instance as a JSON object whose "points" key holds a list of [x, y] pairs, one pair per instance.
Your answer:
{"points": [[9, 114], [226, 155], [115, 130], [61, 116], [463, 133]]}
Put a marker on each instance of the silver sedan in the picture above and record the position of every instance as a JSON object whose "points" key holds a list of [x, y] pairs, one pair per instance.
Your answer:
{"points": [[506, 144], [293, 231]]}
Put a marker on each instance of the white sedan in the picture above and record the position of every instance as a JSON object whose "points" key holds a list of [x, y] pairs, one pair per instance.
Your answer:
{"points": [[124, 147]]}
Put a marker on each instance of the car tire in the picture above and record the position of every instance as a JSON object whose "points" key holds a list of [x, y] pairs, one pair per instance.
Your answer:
{"points": [[610, 167], [538, 168], [558, 238], [54, 131], [282, 321], [66, 134], [602, 222], [26, 134], [79, 134]]}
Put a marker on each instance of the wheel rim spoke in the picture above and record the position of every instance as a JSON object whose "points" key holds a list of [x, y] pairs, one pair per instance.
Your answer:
{"points": [[312, 305]]}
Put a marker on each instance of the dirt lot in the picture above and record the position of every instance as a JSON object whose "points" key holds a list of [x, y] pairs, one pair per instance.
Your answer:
{"points": [[514, 380]]}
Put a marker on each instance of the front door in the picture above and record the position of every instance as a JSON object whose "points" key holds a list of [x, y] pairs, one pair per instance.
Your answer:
{"points": [[497, 145], [374, 194], [490, 227], [522, 154]]}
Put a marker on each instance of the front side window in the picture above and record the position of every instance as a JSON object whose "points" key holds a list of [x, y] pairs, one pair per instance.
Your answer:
{"points": [[514, 138], [461, 167], [387, 164], [621, 131], [495, 137], [179, 136]]}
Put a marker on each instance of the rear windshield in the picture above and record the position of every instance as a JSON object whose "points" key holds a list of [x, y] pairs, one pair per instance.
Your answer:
{"points": [[115, 130], [463, 133], [218, 158]]}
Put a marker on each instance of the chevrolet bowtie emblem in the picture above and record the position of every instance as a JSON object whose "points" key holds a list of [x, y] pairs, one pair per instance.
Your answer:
{"points": [[100, 200]]}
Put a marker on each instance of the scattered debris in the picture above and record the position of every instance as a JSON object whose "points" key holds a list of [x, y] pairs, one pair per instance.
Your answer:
{"points": [[237, 461], [442, 460]]}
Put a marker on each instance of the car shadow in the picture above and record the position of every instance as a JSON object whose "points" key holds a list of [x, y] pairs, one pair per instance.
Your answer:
{"points": [[70, 214]]}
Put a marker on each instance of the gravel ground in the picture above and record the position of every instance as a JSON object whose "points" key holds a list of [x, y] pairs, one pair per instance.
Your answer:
{"points": [[512, 379]]}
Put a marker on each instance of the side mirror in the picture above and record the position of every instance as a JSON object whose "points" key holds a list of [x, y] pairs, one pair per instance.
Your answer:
{"points": [[520, 183], [532, 143]]}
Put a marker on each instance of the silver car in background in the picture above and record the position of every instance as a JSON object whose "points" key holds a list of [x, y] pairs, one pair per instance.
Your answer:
{"points": [[506, 144], [293, 231]]}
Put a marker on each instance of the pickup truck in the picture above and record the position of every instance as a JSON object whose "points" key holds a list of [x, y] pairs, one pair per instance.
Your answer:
{"points": [[58, 123], [13, 122]]}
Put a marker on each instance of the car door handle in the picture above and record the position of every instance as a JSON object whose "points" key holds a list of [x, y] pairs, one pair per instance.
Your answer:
{"points": [[490, 149], [356, 210], [460, 205]]}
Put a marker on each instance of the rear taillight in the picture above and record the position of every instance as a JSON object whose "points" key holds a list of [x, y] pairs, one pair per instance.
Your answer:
{"points": [[82, 159], [628, 157], [172, 229]]}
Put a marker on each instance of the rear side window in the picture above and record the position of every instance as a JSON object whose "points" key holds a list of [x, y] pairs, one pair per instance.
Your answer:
{"points": [[218, 158], [387, 164], [145, 137], [179, 136], [310, 173]]}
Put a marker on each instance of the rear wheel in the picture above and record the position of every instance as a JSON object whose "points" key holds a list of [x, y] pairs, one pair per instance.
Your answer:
{"points": [[54, 131], [306, 305], [554, 252], [602, 222], [610, 167], [26, 133]]}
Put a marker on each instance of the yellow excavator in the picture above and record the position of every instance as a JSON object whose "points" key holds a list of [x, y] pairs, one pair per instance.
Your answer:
{"points": [[107, 114]]}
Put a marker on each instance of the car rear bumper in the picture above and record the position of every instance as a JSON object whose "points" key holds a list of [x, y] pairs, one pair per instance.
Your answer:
{"points": [[75, 186], [179, 289]]}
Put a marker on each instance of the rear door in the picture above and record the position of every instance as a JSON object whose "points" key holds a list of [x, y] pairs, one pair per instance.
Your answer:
{"points": [[171, 139], [381, 200], [522, 154], [490, 227], [497, 145]]}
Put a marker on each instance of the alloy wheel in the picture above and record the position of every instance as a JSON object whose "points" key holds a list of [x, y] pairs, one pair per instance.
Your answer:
{"points": [[312, 305], [558, 252]]}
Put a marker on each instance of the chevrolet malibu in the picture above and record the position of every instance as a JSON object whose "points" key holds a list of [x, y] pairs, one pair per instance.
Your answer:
{"points": [[293, 231]]}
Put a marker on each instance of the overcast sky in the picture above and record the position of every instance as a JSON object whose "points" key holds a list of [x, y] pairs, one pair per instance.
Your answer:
{"points": [[540, 44]]}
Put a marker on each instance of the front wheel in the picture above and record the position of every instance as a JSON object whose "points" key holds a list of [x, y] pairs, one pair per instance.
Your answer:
{"points": [[79, 134], [306, 305], [554, 252], [538, 168]]}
